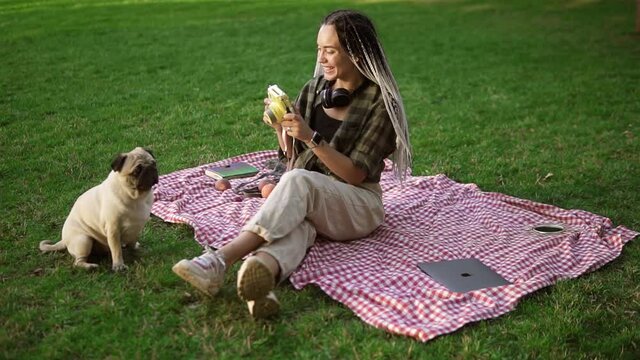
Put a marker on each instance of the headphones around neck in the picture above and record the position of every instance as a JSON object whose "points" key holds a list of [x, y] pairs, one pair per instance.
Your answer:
{"points": [[334, 97]]}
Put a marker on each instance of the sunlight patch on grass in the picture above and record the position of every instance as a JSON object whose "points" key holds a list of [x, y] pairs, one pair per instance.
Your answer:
{"points": [[578, 3], [10, 7], [478, 8], [427, 2]]}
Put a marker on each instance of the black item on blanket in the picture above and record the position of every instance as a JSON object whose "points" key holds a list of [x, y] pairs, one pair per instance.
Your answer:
{"points": [[252, 191], [463, 275], [250, 188]]}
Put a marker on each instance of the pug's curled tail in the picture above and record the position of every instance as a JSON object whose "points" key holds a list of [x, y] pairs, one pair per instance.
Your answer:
{"points": [[46, 245]]}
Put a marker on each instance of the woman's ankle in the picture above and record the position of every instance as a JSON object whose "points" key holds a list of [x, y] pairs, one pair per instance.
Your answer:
{"points": [[242, 245]]}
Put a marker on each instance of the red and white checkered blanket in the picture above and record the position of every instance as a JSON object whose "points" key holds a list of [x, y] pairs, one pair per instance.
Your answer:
{"points": [[429, 219]]}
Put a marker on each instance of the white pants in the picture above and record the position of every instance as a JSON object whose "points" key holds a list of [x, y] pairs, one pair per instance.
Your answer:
{"points": [[306, 203]]}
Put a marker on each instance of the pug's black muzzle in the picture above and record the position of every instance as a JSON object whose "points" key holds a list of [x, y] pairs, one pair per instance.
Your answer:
{"points": [[148, 177]]}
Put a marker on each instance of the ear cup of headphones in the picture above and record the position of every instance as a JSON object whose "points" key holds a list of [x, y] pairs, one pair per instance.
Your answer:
{"points": [[340, 97], [335, 98]]}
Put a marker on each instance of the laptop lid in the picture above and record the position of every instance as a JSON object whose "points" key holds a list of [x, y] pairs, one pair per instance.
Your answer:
{"points": [[462, 275]]}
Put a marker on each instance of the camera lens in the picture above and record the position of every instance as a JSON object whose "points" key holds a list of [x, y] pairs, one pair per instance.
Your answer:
{"points": [[270, 117]]}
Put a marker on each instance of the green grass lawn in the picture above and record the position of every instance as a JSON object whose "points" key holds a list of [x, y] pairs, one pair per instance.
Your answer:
{"points": [[534, 99]]}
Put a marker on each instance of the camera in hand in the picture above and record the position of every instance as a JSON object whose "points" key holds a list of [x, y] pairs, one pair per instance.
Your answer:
{"points": [[279, 105]]}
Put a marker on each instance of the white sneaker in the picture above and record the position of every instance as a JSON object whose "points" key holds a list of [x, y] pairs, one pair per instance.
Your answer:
{"points": [[265, 307], [205, 272], [255, 280]]}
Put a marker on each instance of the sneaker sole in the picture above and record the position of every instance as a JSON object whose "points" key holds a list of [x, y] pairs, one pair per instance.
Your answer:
{"points": [[255, 280], [186, 275], [265, 307]]}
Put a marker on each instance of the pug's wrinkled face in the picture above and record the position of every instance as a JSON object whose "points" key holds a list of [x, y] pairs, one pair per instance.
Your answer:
{"points": [[138, 167]]}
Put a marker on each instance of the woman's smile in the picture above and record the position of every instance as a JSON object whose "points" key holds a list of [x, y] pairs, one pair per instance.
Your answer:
{"points": [[336, 64]]}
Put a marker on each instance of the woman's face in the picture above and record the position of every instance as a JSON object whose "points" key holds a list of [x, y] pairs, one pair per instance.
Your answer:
{"points": [[334, 60]]}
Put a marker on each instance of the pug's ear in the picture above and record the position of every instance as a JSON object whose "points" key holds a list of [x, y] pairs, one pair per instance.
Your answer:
{"points": [[150, 152], [118, 162]]}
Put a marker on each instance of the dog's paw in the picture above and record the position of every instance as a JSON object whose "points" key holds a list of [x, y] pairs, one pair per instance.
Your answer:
{"points": [[135, 246], [119, 267], [86, 265]]}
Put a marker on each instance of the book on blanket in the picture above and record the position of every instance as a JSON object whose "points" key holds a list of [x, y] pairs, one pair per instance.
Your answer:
{"points": [[231, 171]]}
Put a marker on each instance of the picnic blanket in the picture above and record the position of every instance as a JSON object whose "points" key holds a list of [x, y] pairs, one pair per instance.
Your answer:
{"points": [[431, 218]]}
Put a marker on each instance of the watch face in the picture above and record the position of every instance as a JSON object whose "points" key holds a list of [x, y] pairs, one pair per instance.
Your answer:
{"points": [[316, 139]]}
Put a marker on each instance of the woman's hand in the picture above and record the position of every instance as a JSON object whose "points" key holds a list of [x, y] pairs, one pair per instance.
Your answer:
{"points": [[338, 163], [296, 127]]}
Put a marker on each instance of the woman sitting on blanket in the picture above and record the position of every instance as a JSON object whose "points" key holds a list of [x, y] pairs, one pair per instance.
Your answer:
{"points": [[351, 118]]}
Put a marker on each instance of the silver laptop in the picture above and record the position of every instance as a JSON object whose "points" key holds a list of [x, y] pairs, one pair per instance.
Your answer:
{"points": [[462, 275]]}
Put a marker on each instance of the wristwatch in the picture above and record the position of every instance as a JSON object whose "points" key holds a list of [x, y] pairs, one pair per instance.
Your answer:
{"points": [[316, 139]]}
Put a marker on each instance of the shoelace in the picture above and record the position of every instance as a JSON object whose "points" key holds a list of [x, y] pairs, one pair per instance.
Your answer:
{"points": [[215, 256]]}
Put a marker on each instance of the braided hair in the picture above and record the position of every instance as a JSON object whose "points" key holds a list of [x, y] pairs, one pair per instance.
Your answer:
{"points": [[357, 35]]}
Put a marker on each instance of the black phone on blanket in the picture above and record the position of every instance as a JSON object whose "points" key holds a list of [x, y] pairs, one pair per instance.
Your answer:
{"points": [[250, 192]]}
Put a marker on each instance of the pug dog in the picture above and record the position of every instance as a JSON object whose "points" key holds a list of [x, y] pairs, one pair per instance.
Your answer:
{"points": [[111, 215]]}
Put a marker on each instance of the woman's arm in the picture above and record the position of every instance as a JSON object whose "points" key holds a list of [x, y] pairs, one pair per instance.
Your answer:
{"points": [[339, 164]]}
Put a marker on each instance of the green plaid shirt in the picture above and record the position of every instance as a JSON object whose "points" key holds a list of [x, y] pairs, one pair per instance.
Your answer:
{"points": [[366, 135]]}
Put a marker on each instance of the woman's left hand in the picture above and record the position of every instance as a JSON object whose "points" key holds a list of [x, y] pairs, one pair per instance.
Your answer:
{"points": [[295, 127]]}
